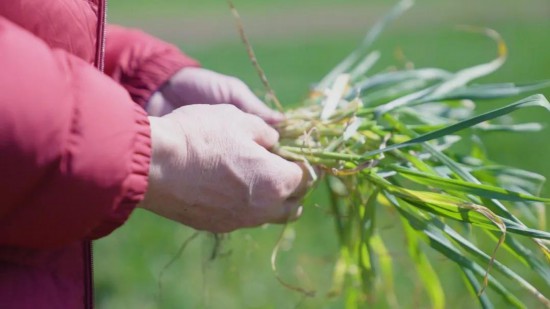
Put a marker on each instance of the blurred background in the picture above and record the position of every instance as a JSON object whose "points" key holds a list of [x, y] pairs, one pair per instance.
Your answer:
{"points": [[297, 42]]}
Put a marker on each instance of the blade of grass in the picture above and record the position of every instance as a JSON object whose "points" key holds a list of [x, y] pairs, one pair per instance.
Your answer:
{"points": [[515, 128], [252, 56], [491, 91], [464, 243], [387, 79], [424, 269], [510, 244], [371, 36], [498, 207], [458, 80], [368, 224], [543, 269], [528, 181], [458, 209], [386, 267], [532, 101], [364, 66], [440, 243], [462, 77], [475, 286], [399, 90], [486, 191], [446, 205]]}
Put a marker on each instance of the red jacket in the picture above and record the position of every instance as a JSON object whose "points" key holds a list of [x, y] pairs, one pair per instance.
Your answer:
{"points": [[74, 142]]}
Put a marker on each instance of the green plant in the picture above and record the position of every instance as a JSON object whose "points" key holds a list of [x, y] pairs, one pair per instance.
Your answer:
{"points": [[385, 142]]}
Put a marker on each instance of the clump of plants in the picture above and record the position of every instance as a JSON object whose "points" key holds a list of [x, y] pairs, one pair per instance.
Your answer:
{"points": [[383, 142]]}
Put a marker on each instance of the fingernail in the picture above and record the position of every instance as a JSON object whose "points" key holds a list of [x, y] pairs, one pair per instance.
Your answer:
{"points": [[299, 211]]}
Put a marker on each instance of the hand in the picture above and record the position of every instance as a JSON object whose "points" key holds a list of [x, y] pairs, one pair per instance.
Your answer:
{"points": [[201, 86], [211, 170]]}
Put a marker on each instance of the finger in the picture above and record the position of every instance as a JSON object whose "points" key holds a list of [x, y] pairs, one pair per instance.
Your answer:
{"points": [[158, 105], [288, 177], [263, 134], [306, 182], [292, 209], [244, 99]]}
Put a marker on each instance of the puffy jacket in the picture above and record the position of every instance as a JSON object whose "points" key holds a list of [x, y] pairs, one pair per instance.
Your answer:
{"points": [[74, 142]]}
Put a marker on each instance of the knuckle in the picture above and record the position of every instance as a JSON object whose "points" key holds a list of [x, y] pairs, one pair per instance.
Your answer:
{"points": [[229, 109], [239, 90], [285, 179], [267, 191], [295, 173], [274, 134], [258, 122]]}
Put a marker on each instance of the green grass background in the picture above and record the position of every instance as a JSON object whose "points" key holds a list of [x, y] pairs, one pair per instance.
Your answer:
{"points": [[127, 263]]}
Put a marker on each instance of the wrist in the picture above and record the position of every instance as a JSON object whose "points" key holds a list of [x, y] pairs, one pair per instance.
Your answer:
{"points": [[163, 147]]}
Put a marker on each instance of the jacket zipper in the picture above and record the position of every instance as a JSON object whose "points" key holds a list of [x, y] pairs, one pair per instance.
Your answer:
{"points": [[100, 44], [99, 63], [88, 275]]}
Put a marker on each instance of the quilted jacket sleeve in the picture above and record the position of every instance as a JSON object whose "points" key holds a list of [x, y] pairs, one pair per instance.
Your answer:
{"points": [[140, 62], [74, 147]]}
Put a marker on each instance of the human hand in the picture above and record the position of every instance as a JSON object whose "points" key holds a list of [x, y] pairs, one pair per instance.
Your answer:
{"points": [[201, 86], [211, 170]]}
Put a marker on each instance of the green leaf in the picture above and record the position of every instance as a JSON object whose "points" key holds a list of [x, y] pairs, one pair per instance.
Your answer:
{"points": [[532, 101], [498, 207], [393, 92], [366, 252], [388, 79], [520, 229], [491, 91], [516, 128], [457, 209], [364, 66], [464, 76], [462, 173], [486, 191], [457, 80], [516, 249], [438, 113], [509, 176], [386, 267], [445, 205], [528, 257], [369, 39], [478, 149], [475, 287], [464, 243], [440, 243], [424, 269]]}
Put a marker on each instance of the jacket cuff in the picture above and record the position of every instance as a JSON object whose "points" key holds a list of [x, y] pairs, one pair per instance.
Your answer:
{"points": [[141, 63], [136, 183], [156, 71]]}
